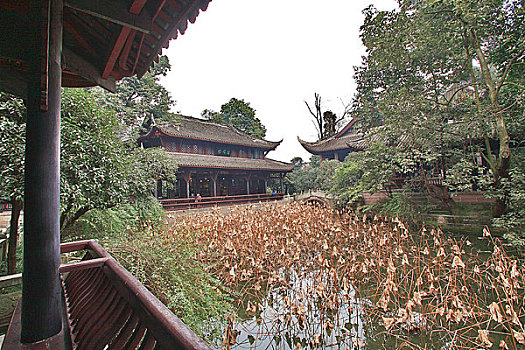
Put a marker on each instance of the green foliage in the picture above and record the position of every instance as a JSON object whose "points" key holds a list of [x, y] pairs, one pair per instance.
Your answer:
{"points": [[418, 81], [513, 221], [239, 114], [370, 170], [137, 98], [94, 164], [163, 260], [311, 176], [97, 169], [398, 206], [12, 148], [103, 224], [165, 263]]}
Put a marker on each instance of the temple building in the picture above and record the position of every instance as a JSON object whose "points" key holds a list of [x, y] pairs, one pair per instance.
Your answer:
{"points": [[339, 145], [214, 159]]}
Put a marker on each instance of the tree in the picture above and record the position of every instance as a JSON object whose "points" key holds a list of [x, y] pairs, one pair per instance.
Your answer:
{"points": [[12, 148], [239, 114], [418, 81], [325, 122], [97, 169], [315, 175], [367, 171], [137, 98]]}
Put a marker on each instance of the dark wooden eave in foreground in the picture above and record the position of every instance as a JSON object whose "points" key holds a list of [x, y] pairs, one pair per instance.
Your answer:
{"points": [[103, 40]]}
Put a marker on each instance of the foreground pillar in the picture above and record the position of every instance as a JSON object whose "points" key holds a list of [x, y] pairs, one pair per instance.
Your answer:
{"points": [[41, 296]]}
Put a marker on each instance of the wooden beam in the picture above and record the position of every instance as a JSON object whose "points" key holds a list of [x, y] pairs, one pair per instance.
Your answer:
{"points": [[13, 82], [114, 12], [76, 64], [135, 9], [115, 52]]}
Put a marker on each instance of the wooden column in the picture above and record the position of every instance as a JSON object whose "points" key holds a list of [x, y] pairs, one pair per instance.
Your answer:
{"points": [[281, 178], [41, 292], [229, 186], [336, 156], [247, 178], [213, 178], [187, 177]]}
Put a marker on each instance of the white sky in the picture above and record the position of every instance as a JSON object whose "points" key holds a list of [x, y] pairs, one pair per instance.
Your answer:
{"points": [[274, 54]]}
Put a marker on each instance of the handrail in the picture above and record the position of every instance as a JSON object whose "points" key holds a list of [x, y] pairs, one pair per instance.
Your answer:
{"points": [[169, 331], [190, 203]]}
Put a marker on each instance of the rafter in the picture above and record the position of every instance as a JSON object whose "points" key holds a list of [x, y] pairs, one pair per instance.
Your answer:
{"points": [[114, 12], [77, 65]]}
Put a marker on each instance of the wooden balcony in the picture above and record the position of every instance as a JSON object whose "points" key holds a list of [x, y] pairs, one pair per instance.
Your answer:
{"points": [[191, 203], [107, 308]]}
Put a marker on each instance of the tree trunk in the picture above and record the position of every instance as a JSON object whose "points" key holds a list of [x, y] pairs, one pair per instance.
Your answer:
{"points": [[503, 160], [68, 222], [13, 236]]}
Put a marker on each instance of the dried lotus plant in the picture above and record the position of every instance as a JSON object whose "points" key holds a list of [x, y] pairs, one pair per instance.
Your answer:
{"points": [[305, 276]]}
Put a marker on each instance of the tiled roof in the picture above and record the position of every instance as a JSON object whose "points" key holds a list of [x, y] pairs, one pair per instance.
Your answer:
{"points": [[199, 129], [334, 143], [186, 160]]}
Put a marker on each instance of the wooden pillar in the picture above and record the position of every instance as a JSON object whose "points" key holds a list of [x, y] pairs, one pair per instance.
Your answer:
{"points": [[41, 292], [187, 178], [229, 186], [158, 189], [213, 178], [336, 156], [265, 178], [320, 159], [281, 178], [247, 178]]}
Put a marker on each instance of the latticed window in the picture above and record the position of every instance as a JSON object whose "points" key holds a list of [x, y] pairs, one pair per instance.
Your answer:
{"points": [[195, 148]]}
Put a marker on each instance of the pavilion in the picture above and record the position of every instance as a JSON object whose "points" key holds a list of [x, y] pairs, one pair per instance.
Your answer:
{"points": [[339, 145], [214, 159]]}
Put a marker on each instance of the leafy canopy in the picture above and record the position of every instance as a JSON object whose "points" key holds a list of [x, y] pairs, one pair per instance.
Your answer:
{"points": [[97, 169], [239, 114]]}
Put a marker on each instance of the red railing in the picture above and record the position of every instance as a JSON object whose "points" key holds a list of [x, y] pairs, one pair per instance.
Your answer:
{"points": [[107, 308], [192, 203]]}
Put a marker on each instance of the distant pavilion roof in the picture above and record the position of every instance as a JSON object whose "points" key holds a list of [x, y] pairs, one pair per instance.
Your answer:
{"points": [[352, 141], [187, 160], [344, 139], [199, 129], [103, 41]]}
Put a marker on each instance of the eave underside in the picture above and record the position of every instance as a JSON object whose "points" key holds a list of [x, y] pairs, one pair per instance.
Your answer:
{"points": [[103, 41]]}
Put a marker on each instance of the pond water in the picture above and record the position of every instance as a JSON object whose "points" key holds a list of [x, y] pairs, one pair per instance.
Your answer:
{"points": [[296, 315], [299, 313]]}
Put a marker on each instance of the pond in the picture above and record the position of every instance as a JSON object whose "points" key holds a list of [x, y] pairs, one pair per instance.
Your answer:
{"points": [[308, 277]]}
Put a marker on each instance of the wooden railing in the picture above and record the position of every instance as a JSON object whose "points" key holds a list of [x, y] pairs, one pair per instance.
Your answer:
{"points": [[109, 309], [192, 203], [5, 206]]}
